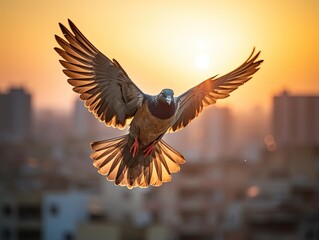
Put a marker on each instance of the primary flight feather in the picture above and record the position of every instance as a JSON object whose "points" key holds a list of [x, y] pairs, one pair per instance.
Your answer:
{"points": [[141, 157]]}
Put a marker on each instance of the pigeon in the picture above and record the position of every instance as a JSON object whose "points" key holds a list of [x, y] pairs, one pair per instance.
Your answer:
{"points": [[141, 157]]}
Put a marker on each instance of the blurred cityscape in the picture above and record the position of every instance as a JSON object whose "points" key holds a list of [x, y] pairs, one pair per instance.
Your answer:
{"points": [[247, 176]]}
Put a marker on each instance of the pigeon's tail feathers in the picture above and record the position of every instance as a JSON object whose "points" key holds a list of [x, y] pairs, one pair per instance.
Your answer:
{"points": [[114, 160]]}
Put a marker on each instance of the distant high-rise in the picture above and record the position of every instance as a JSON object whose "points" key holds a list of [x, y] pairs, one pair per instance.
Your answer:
{"points": [[15, 111], [86, 125], [207, 137], [213, 133], [296, 120]]}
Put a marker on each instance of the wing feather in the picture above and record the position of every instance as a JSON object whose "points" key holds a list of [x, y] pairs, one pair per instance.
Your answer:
{"points": [[103, 85], [192, 102]]}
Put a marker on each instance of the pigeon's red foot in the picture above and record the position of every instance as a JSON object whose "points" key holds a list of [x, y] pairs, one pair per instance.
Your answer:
{"points": [[149, 149], [134, 147]]}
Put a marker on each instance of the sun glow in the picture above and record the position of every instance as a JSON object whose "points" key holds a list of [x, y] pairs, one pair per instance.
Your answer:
{"points": [[202, 61]]}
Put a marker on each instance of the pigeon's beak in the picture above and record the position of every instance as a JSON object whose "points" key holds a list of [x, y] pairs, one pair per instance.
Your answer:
{"points": [[169, 100]]}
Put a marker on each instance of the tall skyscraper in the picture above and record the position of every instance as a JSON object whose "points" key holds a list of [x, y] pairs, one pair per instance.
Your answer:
{"points": [[206, 137], [296, 120], [214, 130], [15, 111], [84, 123]]}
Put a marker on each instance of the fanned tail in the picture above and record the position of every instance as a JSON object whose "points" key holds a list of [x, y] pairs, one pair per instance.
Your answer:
{"points": [[114, 160]]}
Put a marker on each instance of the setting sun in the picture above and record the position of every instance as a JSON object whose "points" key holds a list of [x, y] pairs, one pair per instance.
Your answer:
{"points": [[202, 61]]}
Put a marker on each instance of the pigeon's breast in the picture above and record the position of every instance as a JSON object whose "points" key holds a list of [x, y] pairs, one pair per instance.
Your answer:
{"points": [[148, 127], [161, 110]]}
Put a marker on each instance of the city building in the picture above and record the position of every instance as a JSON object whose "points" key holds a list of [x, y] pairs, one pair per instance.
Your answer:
{"points": [[123, 205], [204, 201], [42, 215], [62, 212], [295, 119], [16, 115], [85, 126], [21, 216], [84, 122], [206, 137], [50, 190]]}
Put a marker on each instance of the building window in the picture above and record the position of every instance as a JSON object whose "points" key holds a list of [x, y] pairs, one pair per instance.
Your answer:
{"points": [[68, 236], [6, 210], [54, 210], [309, 235], [6, 233], [29, 212], [29, 234]]}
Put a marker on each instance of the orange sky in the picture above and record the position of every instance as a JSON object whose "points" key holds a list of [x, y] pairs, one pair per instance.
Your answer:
{"points": [[157, 43]]}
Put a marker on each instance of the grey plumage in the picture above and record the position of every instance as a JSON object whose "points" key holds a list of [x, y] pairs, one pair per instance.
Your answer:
{"points": [[140, 158]]}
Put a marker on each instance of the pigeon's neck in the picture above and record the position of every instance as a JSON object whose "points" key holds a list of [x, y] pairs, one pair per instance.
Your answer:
{"points": [[160, 109]]}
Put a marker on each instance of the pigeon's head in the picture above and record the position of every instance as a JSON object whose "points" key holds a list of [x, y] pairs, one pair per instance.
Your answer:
{"points": [[166, 96]]}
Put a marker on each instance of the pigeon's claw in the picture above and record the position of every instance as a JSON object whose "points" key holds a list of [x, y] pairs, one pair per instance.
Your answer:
{"points": [[149, 149], [134, 147]]}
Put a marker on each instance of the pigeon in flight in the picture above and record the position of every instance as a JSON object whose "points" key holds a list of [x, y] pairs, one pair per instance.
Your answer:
{"points": [[141, 157]]}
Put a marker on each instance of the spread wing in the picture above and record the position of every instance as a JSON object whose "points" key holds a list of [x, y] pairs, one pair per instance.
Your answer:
{"points": [[103, 84], [192, 102]]}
